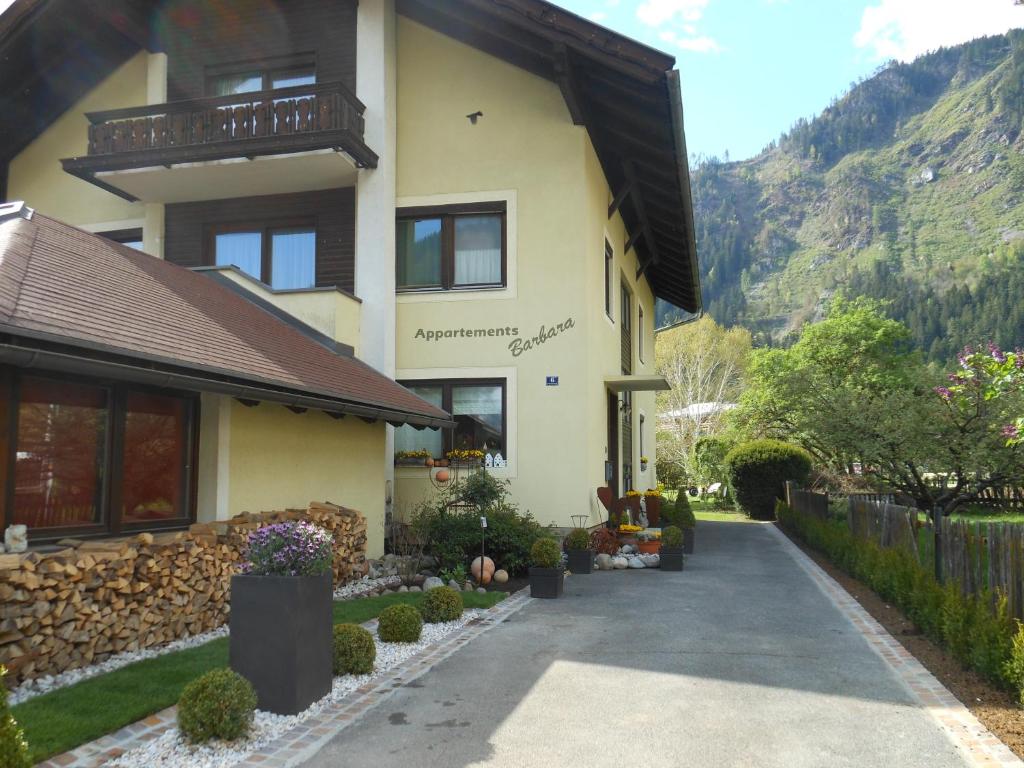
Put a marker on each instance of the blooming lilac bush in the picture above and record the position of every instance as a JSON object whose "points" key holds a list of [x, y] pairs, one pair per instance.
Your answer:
{"points": [[990, 375], [289, 549]]}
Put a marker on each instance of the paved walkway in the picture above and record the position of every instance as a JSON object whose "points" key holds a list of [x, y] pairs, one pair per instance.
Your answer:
{"points": [[751, 657]]}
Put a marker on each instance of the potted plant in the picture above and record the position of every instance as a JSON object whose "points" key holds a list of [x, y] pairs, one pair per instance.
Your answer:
{"points": [[684, 518], [412, 458], [577, 548], [643, 463], [633, 501], [648, 542], [281, 620], [466, 458], [652, 501], [546, 574], [627, 534], [671, 549]]}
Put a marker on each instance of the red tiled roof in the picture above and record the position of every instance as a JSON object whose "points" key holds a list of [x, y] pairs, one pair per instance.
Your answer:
{"points": [[66, 286]]}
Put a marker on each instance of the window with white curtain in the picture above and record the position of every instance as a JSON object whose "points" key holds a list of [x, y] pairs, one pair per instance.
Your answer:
{"points": [[478, 408], [451, 247], [283, 257]]}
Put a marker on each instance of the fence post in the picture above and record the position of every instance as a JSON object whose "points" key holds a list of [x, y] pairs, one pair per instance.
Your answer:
{"points": [[937, 536]]}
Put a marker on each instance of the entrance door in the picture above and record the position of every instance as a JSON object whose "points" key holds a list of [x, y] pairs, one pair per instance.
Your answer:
{"points": [[613, 442]]}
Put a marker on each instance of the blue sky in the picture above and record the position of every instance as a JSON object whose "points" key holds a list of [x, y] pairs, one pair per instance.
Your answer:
{"points": [[750, 68]]}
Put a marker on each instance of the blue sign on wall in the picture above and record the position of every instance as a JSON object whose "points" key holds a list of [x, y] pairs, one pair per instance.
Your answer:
{"points": [[552, 381]]}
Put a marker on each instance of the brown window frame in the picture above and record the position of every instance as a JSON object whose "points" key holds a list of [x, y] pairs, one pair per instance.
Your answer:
{"points": [[267, 69], [640, 332], [109, 502], [266, 230], [448, 435], [447, 214], [124, 236], [609, 257]]}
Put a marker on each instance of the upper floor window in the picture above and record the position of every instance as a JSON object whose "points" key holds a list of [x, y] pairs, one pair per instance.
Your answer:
{"points": [[451, 247], [130, 237], [609, 255], [478, 409], [238, 78], [281, 255]]}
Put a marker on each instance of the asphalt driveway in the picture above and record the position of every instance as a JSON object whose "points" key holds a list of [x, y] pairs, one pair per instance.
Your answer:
{"points": [[738, 661]]}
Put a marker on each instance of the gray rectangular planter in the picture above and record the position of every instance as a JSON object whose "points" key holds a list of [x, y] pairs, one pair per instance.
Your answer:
{"points": [[688, 536], [281, 630], [546, 582], [671, 559], [580, 560]]}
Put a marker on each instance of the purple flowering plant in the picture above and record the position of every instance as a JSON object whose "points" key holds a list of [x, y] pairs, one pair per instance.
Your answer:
{"points": [[986, 376], [289, 549]]}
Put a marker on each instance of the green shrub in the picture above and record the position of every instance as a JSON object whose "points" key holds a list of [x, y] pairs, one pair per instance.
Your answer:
{"points": [[399, 624], [976, 629], [577, 539], [217, 705], [441, 604], [13, 748], [679, 513], [758, 471], [453, 537], [483, 489], [671, 537], [1013, 667], [354, 650], [545, 554]]}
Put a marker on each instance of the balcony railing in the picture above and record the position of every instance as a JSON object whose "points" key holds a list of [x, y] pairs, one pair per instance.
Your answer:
{"points": [[285, 120]]}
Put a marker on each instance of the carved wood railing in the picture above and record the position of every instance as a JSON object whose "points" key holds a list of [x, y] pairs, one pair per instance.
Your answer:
{"points": [[285, 114]]}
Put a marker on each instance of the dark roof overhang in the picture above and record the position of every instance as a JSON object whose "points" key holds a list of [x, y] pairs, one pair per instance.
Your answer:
{"points": [[626, 94]]}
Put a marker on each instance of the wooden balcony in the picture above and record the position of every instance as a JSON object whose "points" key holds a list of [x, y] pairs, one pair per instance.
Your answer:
{"points": [[195, 149]]}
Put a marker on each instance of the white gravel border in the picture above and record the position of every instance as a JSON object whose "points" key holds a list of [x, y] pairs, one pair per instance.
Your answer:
{"points": [[171, 751]]}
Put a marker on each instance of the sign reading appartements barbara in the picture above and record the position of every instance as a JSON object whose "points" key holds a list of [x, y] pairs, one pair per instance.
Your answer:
{"points": [[517, 346]]}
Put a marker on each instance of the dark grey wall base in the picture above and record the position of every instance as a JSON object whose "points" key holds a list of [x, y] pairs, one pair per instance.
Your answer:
{"points": [[281, 639], [671, 559], [580, 560], [546, 582]]}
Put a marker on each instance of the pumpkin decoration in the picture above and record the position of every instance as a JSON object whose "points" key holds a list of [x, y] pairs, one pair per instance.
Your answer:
{"points": [[485, 574]]}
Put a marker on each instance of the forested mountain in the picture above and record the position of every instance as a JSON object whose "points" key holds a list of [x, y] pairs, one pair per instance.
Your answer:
{"points": [[909, 188]]}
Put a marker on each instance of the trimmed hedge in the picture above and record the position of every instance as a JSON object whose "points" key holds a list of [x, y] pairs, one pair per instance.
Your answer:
{"points": [[577, 539], [671, 537], [441, 604], [399, 624], [218, 705], [680, 514], [13, 748], [354, 650], [758, 471], [977, 630]]}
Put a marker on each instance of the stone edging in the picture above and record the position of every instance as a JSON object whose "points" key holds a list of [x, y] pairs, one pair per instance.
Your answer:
{"points": [[309, 736], [979, 745]]}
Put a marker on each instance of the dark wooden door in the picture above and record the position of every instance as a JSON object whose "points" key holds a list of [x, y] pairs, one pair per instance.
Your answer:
{"points": [[613, 442]]}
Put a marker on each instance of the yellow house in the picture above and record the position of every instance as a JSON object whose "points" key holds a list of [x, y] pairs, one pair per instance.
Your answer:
{"points": [[480, 199]]}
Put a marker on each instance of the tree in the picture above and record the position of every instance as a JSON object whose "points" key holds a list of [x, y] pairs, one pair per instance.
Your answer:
{"points": [[705, 365]]}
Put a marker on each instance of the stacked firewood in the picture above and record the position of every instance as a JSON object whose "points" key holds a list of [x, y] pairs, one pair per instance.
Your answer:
{"points": [[79, 605]]}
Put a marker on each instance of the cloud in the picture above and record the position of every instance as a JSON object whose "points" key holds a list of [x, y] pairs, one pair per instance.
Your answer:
{"points": [[597, 16], [904, 29], [658, 12]]}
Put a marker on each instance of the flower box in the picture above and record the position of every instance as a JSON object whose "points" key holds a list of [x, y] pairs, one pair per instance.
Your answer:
{"points": [[671, 559], [580, 560], [281, 638], [410, 462], [546, 583]]}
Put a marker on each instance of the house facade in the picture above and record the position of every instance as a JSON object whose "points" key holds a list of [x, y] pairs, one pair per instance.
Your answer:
{"points": [[480, 200]]}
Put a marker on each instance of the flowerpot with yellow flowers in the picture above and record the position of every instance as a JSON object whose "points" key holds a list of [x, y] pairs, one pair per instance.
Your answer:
{"points": [[467, 458], [633, 501], [412, 458], [546, 573], [627, 534], [652, 503], [648, 542]]}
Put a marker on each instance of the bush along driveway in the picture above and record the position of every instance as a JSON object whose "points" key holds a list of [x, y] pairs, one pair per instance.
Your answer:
{"points": [[742, 659]]}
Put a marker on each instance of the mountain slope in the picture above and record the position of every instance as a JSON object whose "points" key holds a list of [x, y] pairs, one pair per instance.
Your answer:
{"points": [[910, 189]]}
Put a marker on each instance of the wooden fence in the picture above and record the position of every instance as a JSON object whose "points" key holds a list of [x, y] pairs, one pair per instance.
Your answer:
{"points": [[807, 502], [887, 525]]}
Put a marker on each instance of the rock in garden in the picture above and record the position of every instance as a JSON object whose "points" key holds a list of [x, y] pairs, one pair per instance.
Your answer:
{"points": [[454, 584], [627, 549], [16, 538], [403, 588], [467, 587], [650, 560], [620, 563], [415, 589], [501, 576], [636, 562], [432, 581], [481, 590], [419, 579], [604, 562]]}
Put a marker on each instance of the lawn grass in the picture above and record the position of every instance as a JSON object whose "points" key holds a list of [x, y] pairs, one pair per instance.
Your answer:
{"points": [[66, 718]]}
